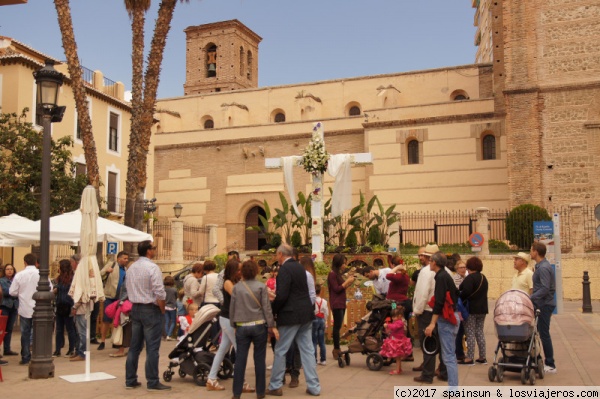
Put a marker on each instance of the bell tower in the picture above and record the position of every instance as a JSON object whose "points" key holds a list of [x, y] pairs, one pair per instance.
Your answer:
{"points": [[220, 56]]}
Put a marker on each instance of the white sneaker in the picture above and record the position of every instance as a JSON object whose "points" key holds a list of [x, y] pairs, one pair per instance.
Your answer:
{"points": [[549, 370], [323, 363], [269, 367]]}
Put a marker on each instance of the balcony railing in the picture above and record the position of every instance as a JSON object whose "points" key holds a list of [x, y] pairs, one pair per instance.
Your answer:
{"points": [[114, 204]]}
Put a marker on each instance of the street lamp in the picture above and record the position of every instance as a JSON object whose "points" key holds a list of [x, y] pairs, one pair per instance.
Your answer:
{"points": [[48, 81], [177, 209], [150, 208]]}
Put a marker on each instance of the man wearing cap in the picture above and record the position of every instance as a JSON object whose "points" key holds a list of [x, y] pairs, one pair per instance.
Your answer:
{"points": [[523, 278], [544, 286], [424, 290]]}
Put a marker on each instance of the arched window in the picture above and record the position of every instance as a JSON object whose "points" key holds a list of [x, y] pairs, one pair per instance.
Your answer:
{"points": [[249, 66], [279, 117], [489, 147], [241, 61], [209, 124], [413, 152], [459, 95], [255, 240], [211, 61], [354, 111]]}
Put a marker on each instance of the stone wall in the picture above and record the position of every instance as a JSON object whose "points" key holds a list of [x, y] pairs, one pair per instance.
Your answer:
{"points": [[499, 270]]}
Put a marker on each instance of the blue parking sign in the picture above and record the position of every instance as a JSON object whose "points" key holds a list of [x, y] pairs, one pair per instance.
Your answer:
{"points": [[111, 248]]}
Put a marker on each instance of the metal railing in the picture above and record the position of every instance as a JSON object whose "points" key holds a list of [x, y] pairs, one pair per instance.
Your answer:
{"points": [[195, 241], [114, 204]]}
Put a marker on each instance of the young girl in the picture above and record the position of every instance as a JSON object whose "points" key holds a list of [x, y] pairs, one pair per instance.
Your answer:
{"points": [[180, 310], [186, 321], [170, 307], [397, 345]]}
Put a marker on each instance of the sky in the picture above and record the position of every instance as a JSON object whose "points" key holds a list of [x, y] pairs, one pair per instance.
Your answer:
{"points": [[303, 41]]}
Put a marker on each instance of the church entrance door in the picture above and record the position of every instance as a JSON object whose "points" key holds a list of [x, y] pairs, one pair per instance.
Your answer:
{"points": [[254, 240]]}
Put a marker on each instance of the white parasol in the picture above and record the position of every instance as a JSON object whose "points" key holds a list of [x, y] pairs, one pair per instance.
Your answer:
{"points": [[86, 287], [87, 283]]}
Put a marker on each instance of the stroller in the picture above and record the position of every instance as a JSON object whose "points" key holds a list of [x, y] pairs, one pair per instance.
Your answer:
{"points": [[369, 335], [192, 354], [518, 341]]}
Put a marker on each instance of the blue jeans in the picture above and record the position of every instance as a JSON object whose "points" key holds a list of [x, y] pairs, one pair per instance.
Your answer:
{"points": [[302, 335], [258, 336], [447, 333], [318, 337], [147, 325], [69, 323], [26, 335], [543, 326], [81, 325], [12, 314], [227, 339], [170, 321]]}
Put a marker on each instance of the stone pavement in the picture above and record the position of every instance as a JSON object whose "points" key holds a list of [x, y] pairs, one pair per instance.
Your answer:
{"points": [[576, 339]]}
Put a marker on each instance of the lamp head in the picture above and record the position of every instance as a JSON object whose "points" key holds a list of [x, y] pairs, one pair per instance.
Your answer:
{"points": [[177, 209], [48, 82]]}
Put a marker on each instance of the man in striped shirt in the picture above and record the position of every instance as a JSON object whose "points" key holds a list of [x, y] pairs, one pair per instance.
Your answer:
{"points": [[146, 292]]}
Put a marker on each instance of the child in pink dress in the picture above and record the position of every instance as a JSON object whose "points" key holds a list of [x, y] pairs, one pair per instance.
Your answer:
{"points": [[397, 345]]}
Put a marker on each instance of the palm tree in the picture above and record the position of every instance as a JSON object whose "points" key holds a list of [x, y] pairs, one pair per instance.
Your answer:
{"points": [[65, 22], [143, 102]]}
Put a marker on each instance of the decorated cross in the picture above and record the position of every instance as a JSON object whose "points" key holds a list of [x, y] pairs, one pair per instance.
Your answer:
{"points": [[316, 161]]}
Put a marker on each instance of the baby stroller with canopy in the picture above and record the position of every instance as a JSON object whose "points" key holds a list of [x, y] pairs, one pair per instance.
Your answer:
{"points": [[519, 345], [369, 335], [192, 354]]}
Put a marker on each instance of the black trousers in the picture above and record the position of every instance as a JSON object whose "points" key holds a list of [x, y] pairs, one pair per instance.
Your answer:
{"points": [[428, 360]]}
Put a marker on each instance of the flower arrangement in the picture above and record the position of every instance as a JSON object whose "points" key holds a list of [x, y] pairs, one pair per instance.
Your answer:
{"points": [[315, 158]]}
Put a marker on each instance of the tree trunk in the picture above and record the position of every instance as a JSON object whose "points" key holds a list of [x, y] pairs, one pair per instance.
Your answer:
{"points": [[63, 10]]}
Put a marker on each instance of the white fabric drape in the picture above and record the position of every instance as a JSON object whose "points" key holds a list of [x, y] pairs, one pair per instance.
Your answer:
{"points": [[288, 174], [339, 166]]}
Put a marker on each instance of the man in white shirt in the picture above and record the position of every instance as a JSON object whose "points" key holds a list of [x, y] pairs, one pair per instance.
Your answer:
{"points": [[380, 282], [24, 286]]}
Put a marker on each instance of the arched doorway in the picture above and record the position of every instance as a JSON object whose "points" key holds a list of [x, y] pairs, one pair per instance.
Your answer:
{"points": [[254, 240]]}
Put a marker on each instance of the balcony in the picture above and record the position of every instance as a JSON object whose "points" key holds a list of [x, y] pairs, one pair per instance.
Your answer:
{"points": [[114, 205]]}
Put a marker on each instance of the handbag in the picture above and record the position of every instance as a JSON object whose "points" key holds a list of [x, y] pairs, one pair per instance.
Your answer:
{"points": [[117, 336]]}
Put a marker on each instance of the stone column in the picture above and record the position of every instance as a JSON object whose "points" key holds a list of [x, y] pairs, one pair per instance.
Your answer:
{"points": [[576, 226], [212, 240], [177, 241], [483, 227]]}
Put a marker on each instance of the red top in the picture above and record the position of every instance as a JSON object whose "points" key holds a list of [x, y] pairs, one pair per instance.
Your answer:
{"points": [[398, 286]]}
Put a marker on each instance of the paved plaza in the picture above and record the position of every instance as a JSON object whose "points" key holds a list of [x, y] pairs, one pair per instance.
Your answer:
{"points": [[576, 338]]}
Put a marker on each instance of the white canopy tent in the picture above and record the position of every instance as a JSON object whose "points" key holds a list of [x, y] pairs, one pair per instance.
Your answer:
{"points": [[11, 222], [65, 229]]}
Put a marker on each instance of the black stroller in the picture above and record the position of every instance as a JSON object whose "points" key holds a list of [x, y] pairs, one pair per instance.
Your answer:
{"points": [[192, 354], [369, 336], [518, 341]]}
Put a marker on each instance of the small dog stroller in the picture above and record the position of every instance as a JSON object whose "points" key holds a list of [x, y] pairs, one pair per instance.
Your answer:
{"points": [[192, 354], [369, 336], [515, 322]]}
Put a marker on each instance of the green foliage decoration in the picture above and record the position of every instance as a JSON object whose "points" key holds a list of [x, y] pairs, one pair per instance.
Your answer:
{"points": [[519, 224]]}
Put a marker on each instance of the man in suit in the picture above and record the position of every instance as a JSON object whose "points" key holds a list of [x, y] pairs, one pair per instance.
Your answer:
{"points": [[294, 315]]}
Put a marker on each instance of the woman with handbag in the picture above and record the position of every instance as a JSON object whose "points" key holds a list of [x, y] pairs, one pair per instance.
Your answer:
{"points": [[251, 315], [64, 304], [9, 306], [474, 289]]}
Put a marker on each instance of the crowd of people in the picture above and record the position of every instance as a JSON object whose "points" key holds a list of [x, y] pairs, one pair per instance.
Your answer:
{"points": [[287, 311]]}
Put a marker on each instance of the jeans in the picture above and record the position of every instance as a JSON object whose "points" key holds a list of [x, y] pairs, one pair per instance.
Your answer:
{"points": [[447, 333], [543, 326], [81, 325], [69, 323], [302, 335], [12, 314], [428, 360], [227, 340], [338, 320], [147, 324], [26, 335], [94, 321], [170, 321], [318, 337], [244, 336]]}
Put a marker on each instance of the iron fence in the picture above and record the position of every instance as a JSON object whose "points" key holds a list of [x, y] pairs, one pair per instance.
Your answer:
{"points": [[195, 241]]}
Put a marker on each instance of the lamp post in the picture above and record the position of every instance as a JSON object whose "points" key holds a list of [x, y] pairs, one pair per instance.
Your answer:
{"points": [[177, 209], [48, 81], [150, 208]]}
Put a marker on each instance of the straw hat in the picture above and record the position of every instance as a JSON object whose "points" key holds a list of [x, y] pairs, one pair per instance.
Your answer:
{"points": [[524, 256], [430, 249]]}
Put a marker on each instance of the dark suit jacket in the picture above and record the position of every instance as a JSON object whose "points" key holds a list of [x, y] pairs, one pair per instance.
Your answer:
{"points": [[292, 302]]}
